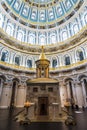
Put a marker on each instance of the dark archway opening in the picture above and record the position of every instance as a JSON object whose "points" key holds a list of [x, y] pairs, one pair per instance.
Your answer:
{"points": [[43, 105]]}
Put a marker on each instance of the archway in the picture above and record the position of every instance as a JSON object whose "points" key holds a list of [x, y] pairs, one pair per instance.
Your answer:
{"points": [[42, 106]]}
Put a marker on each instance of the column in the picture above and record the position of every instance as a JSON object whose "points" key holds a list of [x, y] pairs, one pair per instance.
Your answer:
{"points": [[68, 90], [5, 100], [74, 93], [46, 71], [63, 92], [83, 93], [20, 100], [1, 87], [38, 71]]}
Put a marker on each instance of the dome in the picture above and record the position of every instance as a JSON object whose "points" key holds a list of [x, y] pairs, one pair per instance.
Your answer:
{"points": [[42, 22]]}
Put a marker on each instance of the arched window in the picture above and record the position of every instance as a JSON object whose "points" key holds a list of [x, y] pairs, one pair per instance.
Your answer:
{"points": [[67, 60], [20, 36], [29, 63], [53, 38], [9, 30], [59, 11], [64, 35], [81, 57], [67, 4], [4, 56], [42, 40], [31, 39], [17, 60], [17, 5], [34, 15], [51, 16], [75, 28], [42, 15], [54, 63]]}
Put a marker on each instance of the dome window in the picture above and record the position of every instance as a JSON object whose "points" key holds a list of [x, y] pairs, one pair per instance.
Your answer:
{"points": [[17, 61], [54, 63], [4, 56], [29, 63], [67, 60]]}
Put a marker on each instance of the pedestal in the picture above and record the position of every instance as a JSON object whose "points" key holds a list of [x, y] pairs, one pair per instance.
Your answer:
{"points": [[31, 112]]}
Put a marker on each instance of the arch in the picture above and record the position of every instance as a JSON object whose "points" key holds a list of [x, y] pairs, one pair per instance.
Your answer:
{"points": [[29, 63], [67, 60], [75, 28], [83, 82], [80, 54], [10, 29], [20, 35], [81, 77], [67, 79], [54, 62], [42, 39], [17, 60], [31, 38], [50, 13], [42, 15], [64, 35], [29, 59], [69, 84], [16, 79], [53, 38], [17, 5], [4, 55], [34, 14]]}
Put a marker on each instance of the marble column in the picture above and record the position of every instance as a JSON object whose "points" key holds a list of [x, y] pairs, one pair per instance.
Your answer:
{"points": [[63, 92], [20, 100], [68, 91], [74, 93], [1, 87], [5, 95], [84, 93]]}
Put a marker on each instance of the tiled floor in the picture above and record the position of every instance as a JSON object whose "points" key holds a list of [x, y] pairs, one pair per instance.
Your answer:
{"points": [[7, 122]]}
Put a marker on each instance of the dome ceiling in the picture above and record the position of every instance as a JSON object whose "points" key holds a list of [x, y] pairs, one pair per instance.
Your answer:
{"points": [[42, 22], [42, 12]]}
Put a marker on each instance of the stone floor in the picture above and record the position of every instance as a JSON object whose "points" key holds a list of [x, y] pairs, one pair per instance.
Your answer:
{"points": [[7, 122]]}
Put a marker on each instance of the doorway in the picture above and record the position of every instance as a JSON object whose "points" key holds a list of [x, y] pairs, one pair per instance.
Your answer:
{"points": [[43, 106]]}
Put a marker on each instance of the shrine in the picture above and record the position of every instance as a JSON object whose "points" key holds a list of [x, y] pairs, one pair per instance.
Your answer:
{"points": [[44, 92]]}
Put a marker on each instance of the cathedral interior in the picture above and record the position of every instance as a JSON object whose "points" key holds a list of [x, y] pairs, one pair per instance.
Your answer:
{"points": [[43, 62]]}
